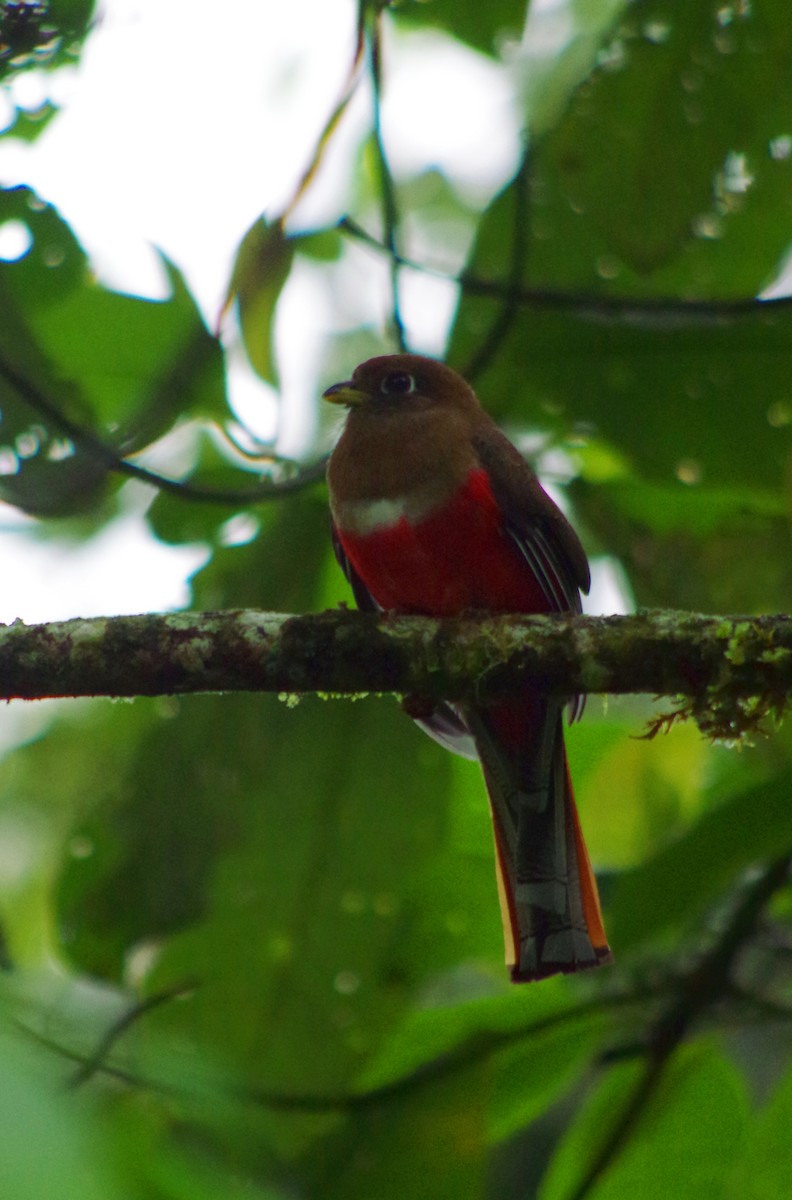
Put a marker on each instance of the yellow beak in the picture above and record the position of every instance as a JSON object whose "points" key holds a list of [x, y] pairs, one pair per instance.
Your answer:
{"points": [[345, 393]]}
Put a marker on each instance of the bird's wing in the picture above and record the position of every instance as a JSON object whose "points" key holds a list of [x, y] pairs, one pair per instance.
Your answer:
{"points": [[363, 597], [540, 530]]}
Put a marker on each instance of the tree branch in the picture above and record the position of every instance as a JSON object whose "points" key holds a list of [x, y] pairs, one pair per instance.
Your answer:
{"points": [[649, 311], [732, 670]]}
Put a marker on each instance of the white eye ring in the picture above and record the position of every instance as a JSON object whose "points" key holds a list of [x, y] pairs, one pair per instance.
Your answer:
{"points": [[398, 383]]}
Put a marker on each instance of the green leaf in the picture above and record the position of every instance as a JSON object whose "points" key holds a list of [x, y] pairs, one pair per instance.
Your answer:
{"points": [[633, 793], [663, 387], [553, 74], [682, 878], [35, 35], [535, 1074], [687, 1136], [324, 245], [432, 1148], [765, 1171], [49, 1147], [263, 262], [480, 25], [120, 368], [179, 518], [141, 364], [27, 124], [671, 89], [685, 545]]}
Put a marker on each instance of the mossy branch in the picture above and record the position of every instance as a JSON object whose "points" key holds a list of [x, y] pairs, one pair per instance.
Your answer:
{"points": [[731, 670]]}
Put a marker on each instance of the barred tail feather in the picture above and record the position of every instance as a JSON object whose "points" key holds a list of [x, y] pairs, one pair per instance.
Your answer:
{"points": [[548, 894]]}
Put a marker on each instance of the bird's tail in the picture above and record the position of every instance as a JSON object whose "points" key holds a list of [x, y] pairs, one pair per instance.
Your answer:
{"points": [[548, 894]]}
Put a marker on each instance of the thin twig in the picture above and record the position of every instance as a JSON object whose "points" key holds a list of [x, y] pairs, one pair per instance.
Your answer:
{"points": [[96, 1062], [479, 1047], [390, 212], [651, 310], [106, 456], [504, 319], [331, 124]]}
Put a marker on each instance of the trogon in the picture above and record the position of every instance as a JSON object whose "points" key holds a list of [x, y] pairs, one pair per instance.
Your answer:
{"points": [[435, 512]]}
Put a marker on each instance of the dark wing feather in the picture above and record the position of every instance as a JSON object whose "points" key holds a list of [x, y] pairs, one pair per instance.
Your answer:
{"points": [[541, 531], [363, 597]]}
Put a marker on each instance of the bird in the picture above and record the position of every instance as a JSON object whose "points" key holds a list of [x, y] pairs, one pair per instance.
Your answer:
{"points": [[435, 512]]}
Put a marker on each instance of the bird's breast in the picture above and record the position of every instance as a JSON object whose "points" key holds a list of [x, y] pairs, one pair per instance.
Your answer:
{"points": [[438, 558]]}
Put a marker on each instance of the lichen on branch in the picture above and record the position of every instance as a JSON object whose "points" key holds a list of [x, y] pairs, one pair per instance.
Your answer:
{"points": [[730, 671]]}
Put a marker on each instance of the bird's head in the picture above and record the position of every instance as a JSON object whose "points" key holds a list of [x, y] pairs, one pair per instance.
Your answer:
{"points": [[403, 383]]}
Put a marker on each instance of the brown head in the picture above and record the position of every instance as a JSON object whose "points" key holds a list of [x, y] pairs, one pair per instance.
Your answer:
{"points": [[409, 429], [404, 384]]}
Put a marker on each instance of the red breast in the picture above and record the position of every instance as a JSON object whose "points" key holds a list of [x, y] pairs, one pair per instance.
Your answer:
{"points": [[438, 559]]}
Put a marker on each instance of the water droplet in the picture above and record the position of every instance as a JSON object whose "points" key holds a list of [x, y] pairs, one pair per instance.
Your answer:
{"points": [[779, 414], [657, 32], [140, 961], [15, 240], [168, 707], [28, 444], [608, 266], [724, 41], [60, 449], [9, 463], [734, 175], [239, 530], [612, 57], [542, 227], [781, 147], [689, 471], [353, 902], [691, 80], [694, 113], [346, 983], [53, 256], [708, 225], [385, 904], [280, 947], [725, 15]]}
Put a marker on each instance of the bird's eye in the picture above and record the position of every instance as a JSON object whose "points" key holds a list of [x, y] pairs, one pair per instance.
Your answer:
{"points": [[398, 383]]}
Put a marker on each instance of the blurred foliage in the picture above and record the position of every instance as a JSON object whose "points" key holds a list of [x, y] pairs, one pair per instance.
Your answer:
{"points": [[39, 35], [251, 947]]}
